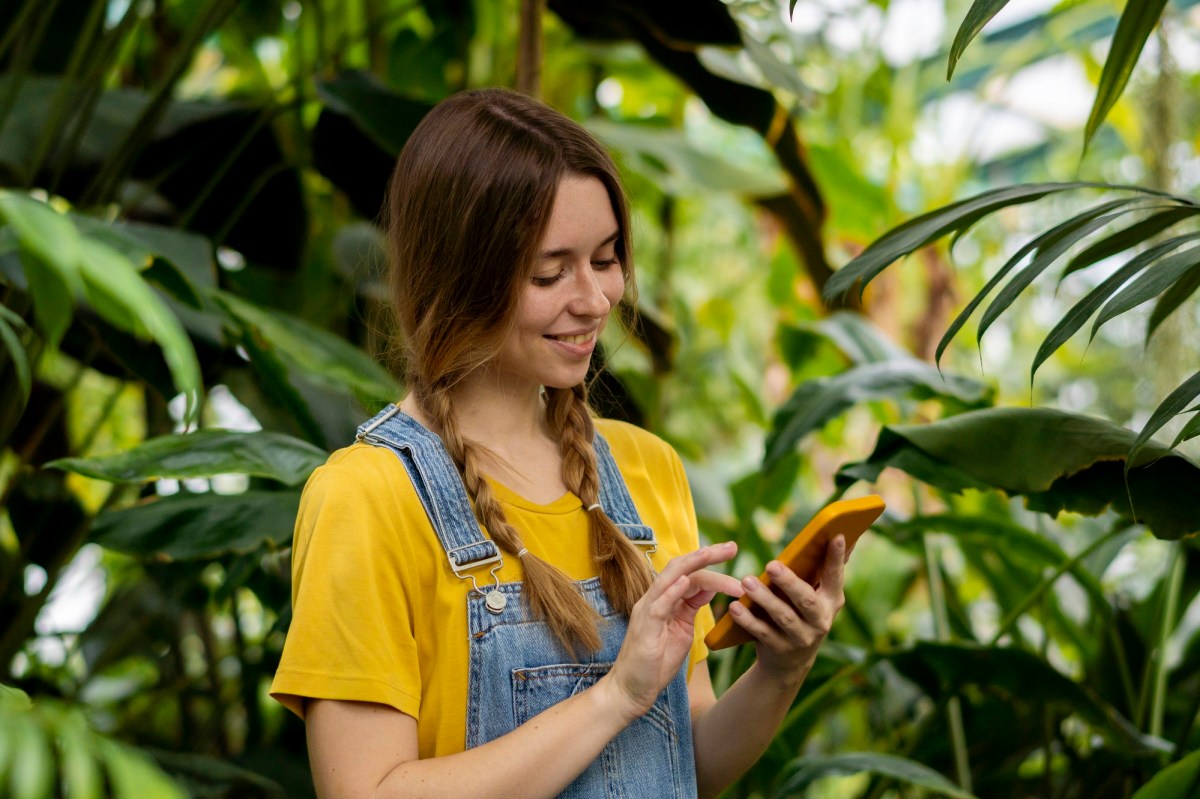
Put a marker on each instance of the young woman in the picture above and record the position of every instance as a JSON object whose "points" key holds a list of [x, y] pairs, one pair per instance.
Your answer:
{"points": [[494, 593]]}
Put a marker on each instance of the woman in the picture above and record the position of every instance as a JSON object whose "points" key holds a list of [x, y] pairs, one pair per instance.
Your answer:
{"points": [[495, 594]]}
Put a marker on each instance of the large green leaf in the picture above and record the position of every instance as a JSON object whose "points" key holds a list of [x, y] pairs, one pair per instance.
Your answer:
{"points": [[803, 771], [204, 453], [942, 670], [931, 226], [199, 526], [322, 356], [1137, 21], [386, 117], [1180, 780], [977, 16], [1055, 459], [1172, 298], [818, 401]]}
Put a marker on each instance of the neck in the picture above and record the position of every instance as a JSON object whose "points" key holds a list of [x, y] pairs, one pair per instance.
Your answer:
{"points": [[490, 412]]}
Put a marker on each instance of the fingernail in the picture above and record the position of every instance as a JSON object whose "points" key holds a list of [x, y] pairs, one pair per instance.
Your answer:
{"points": [[736, 608], [751, 582], [774, 568]]}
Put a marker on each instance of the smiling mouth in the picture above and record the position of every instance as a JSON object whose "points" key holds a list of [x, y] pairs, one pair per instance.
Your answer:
{"points": [[583, 339]]}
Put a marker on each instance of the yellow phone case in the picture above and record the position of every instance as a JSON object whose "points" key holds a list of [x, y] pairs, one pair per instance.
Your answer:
{"points": [[804, 555]]}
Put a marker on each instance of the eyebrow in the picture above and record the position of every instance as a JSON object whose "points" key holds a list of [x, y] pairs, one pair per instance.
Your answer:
{"points": [[559, 253]]}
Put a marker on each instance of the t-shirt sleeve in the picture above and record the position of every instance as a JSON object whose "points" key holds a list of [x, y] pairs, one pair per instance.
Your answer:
{"points": [[351, 634]]}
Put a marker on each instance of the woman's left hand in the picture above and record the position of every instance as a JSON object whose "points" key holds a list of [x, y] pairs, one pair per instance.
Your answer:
{"points": [[801, 618]]}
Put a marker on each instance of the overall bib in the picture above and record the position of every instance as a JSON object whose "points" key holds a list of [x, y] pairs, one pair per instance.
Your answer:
{"points": [[517, 666]]}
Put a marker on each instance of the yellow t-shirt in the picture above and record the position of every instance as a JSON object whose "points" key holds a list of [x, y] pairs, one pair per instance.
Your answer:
{"points": [[379, 617]]}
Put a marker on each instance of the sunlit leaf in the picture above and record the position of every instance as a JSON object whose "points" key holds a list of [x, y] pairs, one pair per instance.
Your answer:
{"points": [[1137, 21], [134, 776], [977, 16], [31, 771], [192, 526], [204, 453], [800, 773], [1180, 780], [1175, 403], [1057, 460], [77, 758]]}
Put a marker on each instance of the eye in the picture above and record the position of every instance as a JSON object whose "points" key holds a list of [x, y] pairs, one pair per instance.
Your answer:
{"points": [[606, 263], [546, 280]]}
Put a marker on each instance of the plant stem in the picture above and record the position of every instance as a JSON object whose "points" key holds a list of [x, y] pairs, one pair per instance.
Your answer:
{"points": [[941, 623], [1172, 589]]}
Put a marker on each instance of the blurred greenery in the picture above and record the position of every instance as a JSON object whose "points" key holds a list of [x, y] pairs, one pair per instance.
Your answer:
{"points": [[192, 315]]}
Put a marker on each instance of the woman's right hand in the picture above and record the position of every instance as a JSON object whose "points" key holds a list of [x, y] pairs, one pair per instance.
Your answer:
{"points": [[662, 625]]}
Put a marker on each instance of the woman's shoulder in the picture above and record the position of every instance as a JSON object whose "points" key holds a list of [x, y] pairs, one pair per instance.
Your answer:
{"points": [[630, 442], [357, 467]]}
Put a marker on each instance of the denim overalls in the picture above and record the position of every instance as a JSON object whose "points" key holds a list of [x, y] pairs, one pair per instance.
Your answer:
{"points": [[517, 667]]}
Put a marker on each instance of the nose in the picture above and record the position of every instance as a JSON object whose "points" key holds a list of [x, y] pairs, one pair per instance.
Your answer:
{"points": [[590, 298]]}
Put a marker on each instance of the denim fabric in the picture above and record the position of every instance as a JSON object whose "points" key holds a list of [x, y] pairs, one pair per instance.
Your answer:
{"points": [[517, 667]]}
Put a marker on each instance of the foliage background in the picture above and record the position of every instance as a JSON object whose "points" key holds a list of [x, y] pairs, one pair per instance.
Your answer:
{"points": [[193, 317]]}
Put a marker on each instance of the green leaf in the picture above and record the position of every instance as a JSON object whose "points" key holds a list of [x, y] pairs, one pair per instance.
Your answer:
{"points": [[1085, 307], [386, 117], [122, 297], [77, 758], [10, 324], [859, 339], [199, 526], [768, 488], [278, 384], [1189, 431], [1055, 459], [1164, 275], [1040, 263], [47, 235], [31, 771], [816, 402], [977, 16], [1180, 780], [929, 227], [321, 355], [945, 669], [132, 775], [800, 773], [1137, 233], [1172, 298], [14, 698], [1137, 21], [204, 453], [1175, 404]]}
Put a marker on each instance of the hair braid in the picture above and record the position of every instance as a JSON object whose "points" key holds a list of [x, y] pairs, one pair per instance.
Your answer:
{"points": [[624, 572], [552, 595]]}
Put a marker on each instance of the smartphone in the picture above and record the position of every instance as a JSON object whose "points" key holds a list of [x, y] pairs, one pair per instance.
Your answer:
{"points": [[804, 556]]}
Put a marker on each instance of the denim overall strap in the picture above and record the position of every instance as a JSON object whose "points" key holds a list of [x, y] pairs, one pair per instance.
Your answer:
{"points": [[615, 499], [438, 485]]}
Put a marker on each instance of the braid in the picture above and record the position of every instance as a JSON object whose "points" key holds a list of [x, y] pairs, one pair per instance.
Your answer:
{"points": [[624, 573], [552, 595]]}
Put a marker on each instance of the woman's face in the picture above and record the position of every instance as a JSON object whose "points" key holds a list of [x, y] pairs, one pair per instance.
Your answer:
{"points": [[575, 282]]}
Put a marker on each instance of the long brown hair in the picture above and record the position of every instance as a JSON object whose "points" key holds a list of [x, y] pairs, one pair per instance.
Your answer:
{"points": [[468, 206]]}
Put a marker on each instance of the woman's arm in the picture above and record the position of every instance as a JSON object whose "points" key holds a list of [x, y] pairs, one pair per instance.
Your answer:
{"points": [[361, 749], [756, 704]]}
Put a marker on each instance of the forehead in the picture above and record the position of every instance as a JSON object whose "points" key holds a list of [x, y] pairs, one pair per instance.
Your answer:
{"points": [[582, 216]]}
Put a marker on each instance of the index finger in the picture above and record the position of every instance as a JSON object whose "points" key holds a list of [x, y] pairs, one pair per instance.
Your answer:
{"points": [[691, 563], [833, 569]]}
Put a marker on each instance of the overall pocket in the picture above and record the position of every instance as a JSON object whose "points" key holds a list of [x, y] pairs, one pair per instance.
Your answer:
{"points": [[642, 761]]}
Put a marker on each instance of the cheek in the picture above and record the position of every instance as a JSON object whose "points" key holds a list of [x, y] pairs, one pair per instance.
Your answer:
{"points": [[613, 285]]}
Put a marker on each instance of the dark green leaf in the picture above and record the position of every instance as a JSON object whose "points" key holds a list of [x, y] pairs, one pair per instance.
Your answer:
{"points": [[818, 401], [1189, 431], [803, 771], [1175, 403], [768, 488], [945, 669], [386, 117], [1055, 459], [1082, 310], [1162, 276], [321, 355], [977, 16], [1137, 21], [1172, 298], [1040, 263], [204, 453], [199, 526], [1039, 242], [10, 324], [929, 227], [1135, 234], [1180, 780]]}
